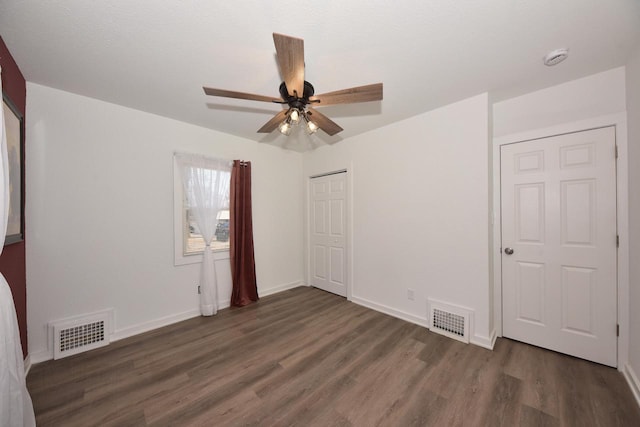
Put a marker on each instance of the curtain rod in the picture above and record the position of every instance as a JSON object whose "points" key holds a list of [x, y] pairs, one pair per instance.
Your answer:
{"points": [[184, 153]]}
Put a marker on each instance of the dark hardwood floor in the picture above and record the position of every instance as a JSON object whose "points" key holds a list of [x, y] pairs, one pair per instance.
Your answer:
{"points": [[305, 357]]}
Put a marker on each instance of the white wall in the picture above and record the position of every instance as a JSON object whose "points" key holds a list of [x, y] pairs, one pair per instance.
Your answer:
{"points": [[91, 162], [633, 111], [589, 102], [99, 214], [420, 201], [592, 96]]}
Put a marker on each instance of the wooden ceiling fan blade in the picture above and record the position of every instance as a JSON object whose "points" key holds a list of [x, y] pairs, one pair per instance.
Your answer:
{"points": [[239, 95], [290, 54], [325, 123], [272, 124], [352, 95]]}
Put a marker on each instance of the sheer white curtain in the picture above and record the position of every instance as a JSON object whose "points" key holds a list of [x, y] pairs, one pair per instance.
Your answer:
{"points": [[15, 403], [206, 186]]}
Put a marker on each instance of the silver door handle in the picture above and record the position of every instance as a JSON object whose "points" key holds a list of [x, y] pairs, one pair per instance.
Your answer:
{"points": [[508, 251]]}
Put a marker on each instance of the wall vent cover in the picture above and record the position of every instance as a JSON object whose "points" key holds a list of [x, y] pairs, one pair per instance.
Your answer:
{"points": [[76, 335], [449, 320]]}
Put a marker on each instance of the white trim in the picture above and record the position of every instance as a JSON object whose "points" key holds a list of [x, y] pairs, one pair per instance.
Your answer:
{"points": [[619, 121], [181, 259], [350, 225], [577, 126], [485, 342], [27, 365], [41, 356], [175, 318], [143, 327], [281, 288], [632, 380], [497, 241], [130, 331], [399, 314]]}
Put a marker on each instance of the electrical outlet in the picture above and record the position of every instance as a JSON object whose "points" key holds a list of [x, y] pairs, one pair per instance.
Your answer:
{"points": [[410, 294]]}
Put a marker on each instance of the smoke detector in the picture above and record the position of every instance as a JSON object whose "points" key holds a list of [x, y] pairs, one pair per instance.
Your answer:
{"points": [[555, 57]]}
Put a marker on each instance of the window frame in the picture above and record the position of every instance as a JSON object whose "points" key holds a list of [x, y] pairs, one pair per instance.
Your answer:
{"points": [[180, 226]]}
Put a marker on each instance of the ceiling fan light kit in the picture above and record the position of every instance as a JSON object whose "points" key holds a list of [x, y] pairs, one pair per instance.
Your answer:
{"points": [[293, 119], [311, 127], [298, 94], [285, 128], [294, 116]]}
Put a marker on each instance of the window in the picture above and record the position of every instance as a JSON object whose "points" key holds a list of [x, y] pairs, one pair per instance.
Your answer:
{"points": [[192, 241], [189, 242]]}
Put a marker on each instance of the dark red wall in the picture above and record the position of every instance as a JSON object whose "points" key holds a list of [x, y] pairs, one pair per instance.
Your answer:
{"points": [[12, 260]]}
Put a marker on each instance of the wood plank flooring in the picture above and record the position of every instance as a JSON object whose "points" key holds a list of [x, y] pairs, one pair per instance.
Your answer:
{"points": [[305, 357]]}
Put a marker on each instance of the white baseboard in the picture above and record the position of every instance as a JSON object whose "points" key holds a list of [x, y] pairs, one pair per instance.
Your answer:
{"points": [[129, 331], [281, 288], [169, 320], [40, 356], [420, 321], [633, 381], [140, 328], [486, 342], [494, 338], [27, 365]]}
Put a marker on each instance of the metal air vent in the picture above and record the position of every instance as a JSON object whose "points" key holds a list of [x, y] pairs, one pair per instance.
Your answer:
{"points": [[449, 320], [81, 333]]}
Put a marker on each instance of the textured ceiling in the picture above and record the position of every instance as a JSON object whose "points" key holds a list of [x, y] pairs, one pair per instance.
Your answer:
{"points": [[156, 55]]}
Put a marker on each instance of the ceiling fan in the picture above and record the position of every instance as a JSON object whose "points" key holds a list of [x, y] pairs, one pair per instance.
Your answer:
{"points": [[298, 95]]}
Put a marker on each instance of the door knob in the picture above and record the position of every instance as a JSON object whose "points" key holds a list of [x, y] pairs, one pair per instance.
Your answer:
{"points": [[508, 251]]}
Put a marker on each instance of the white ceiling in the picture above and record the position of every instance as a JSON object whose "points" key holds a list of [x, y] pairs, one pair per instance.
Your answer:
{"points": [[155, 55]]}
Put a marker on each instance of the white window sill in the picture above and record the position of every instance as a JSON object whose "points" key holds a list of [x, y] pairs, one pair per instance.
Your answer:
{"points": [[218, 254]]}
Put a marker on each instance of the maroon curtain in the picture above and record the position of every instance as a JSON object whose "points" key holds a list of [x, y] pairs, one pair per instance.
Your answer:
{"points": [[243, 266]]}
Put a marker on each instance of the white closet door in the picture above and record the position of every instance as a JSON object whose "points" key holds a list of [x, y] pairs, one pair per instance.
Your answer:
{"points": [[328, 233]]}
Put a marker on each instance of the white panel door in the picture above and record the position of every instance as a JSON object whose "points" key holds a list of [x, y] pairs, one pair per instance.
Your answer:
{"points": [[328, 219], [559, 251]]}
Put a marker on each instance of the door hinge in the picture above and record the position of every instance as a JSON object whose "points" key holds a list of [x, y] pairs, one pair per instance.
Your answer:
{"points": [[617, 330], [617, 240]]}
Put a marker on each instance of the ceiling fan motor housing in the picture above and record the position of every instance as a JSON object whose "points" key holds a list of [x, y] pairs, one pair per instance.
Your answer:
{"points": [[297, 102]]}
